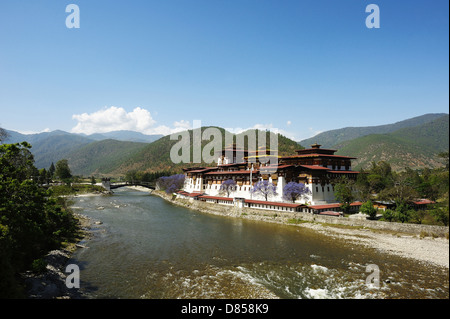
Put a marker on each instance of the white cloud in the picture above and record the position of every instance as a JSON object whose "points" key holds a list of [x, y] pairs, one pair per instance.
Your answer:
{"points": [[288, 123], [182, 125], [113, 119], [117, 118], [238, 130]]}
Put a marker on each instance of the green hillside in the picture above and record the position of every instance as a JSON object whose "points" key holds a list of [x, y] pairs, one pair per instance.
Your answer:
{"points": [[414, 147], [156, 156], [98, 158], [49, 147], [335, 137]]}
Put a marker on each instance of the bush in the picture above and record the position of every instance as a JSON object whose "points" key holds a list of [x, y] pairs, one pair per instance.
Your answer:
{"points": [[441, 215], [368, 209], [389, 215]]}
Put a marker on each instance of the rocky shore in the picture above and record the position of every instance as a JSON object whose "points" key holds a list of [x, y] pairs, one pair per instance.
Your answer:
{"points": [[51, 283]]}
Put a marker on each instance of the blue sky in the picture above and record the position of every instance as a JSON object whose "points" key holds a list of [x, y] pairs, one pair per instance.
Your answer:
{"points": [[301, 67]]}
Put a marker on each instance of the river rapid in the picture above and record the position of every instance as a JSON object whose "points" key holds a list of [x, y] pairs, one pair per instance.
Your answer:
{"points": [[148, 248]]}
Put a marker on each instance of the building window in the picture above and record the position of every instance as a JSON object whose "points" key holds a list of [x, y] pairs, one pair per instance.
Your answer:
{"points": [[317, 189]]}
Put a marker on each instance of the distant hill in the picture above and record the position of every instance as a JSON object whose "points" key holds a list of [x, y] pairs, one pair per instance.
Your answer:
{"points": [[331, 138], [156, 156], [101, 157], [414, 147], [130, 136], [414, 143], [49, 147]]}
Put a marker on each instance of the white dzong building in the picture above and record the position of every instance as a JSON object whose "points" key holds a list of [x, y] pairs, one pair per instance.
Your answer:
{"points": [[315, 167]]}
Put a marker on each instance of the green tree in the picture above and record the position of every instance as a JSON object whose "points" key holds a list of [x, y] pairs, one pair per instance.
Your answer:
{"points": [[380, 176], [343, 192], [401, 192], [51, 170], [62, 170], [417, 216], [441, 214], [31, 222], [368, 209], [93, 181], [389, 215], [403, 213]]}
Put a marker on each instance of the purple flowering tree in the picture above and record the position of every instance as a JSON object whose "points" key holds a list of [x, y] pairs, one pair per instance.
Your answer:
{"points": [[293, 191], [171, 184], [264, 189], [227, 187]]}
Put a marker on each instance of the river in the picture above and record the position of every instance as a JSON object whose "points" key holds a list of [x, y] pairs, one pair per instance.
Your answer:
{"points": [[148, 248]]}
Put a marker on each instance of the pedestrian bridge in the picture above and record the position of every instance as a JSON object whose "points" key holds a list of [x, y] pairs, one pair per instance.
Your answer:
{"points": [[106, 184]]}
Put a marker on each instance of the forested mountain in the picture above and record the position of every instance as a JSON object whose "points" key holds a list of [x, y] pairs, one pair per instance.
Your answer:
{"points": [[130, 136], [156, 156], [49, 147], [101, 157], [413, 147], [412, 143], [332, 138]]}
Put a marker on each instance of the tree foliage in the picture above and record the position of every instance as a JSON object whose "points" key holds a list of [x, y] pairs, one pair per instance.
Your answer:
{"points": [[62, 170], [134, 176], [171, 184], [368, 209], [344, 192], [31, 222], [227, 187], [293, 191], [264, 189]]}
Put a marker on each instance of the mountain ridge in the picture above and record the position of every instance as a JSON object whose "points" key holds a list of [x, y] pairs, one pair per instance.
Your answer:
{"points": [[413, 147], [336, 136], [414, 143]]}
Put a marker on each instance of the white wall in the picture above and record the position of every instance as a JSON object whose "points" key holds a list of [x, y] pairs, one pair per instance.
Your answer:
{"points": [[317, 196]]}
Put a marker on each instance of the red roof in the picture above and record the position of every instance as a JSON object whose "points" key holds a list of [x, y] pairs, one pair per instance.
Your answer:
{"points": [[330, 213], [334, 205], [189, 194], [325, 206], [216, 197], [424, 202], [315, 167], [203, 170]]}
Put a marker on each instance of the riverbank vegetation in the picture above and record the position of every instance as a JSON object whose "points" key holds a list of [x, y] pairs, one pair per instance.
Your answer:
{"points": [[399, 191], [33, 221]]}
